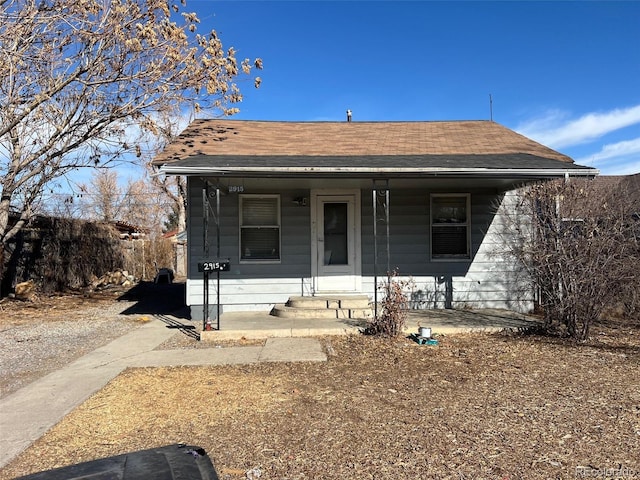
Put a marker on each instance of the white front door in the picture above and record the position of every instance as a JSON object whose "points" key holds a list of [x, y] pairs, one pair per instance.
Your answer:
{"points": [[336, 235]]}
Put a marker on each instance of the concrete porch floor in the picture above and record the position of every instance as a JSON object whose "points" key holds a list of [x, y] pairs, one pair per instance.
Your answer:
{"points": [[257, 325]]}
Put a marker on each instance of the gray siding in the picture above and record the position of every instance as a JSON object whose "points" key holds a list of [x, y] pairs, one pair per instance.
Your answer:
{"points": [[409, 233], [488, 280], [295, 246], [249, 285]]}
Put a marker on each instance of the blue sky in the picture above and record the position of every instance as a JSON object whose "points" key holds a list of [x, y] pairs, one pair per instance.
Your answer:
{"points": [[566, 74]]}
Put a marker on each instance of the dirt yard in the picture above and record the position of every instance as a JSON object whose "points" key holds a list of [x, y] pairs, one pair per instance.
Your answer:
{"points": [[490, 406]]}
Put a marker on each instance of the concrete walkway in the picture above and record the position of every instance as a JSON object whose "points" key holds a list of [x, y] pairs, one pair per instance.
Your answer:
{"points": [[28, 413]]}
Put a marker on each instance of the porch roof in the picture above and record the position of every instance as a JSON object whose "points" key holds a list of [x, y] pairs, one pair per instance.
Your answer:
{"points": [[360, 149]]}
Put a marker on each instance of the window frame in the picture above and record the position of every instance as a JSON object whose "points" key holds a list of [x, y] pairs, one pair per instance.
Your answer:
{"points": [[450, 257], [241, 227]]}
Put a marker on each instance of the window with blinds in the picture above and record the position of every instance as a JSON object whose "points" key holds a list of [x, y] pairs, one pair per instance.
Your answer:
{"points": [[259, 227], [450, 226]]}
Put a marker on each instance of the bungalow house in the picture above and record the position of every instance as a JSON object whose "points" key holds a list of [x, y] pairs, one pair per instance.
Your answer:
{"points": [[308, 209]]}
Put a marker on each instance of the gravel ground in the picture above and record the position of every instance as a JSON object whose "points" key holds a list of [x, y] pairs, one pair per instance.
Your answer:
{"points": [[188, 339], [50, 332], [32, 348]]}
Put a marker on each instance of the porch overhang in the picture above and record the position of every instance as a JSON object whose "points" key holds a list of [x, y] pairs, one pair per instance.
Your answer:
{"points": [[384, 166]]}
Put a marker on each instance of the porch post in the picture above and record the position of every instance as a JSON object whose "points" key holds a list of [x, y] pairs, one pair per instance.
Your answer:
{"points": [[385, 206], [206, 205], [218, 255], [205, 239], [375, 252], [386, 219]]}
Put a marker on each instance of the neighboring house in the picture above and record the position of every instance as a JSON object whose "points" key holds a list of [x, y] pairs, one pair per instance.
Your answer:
{"points": [[314, 208], [130, 232]]}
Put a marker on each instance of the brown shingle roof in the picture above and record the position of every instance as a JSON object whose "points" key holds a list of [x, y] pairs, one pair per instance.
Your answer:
{"points": [[239, 138]]}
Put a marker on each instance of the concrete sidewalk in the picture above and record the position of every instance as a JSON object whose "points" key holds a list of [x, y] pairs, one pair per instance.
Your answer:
{"points": [[28, 413]]}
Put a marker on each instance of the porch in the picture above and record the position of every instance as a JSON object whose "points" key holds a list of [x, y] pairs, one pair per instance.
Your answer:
{"points": [[257, 325]]}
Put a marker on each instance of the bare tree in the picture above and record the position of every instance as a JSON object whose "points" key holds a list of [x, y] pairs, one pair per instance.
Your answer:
{"points": [[139, 202], [103, 196], [174, 187], [145, 205], [577, 241], [81, 77]]}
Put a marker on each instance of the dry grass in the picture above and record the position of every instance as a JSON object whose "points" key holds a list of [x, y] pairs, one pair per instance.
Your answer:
{"points": [[476, 406]]}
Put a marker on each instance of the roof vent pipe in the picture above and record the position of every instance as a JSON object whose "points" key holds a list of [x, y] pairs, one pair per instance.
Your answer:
{"points": [[348, 115]]}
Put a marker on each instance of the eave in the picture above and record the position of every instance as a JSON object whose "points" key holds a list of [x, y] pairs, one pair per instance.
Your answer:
{"points": [[513, 166], [320, 172]]}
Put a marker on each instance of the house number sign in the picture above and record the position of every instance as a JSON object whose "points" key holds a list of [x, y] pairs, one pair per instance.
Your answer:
{"points": [[214, 266], [236, 188]]}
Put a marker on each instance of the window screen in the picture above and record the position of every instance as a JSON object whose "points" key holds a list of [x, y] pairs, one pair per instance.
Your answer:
{"points": [[450, 226], [260, 227]]}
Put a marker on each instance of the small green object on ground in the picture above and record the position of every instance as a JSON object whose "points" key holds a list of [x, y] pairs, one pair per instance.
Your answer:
{"points": [[423, 340]]}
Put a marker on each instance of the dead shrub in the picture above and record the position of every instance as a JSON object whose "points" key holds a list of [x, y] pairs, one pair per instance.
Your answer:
{"points": [[578, 242], [395, 303]]}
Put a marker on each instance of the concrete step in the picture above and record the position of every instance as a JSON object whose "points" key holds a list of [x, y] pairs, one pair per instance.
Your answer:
{"points": [[285, 311], [330, 307], [333, 302]]}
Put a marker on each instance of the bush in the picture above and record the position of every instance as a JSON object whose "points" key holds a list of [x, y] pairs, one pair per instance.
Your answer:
{"points": [[395, 304], [578, 242]]}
